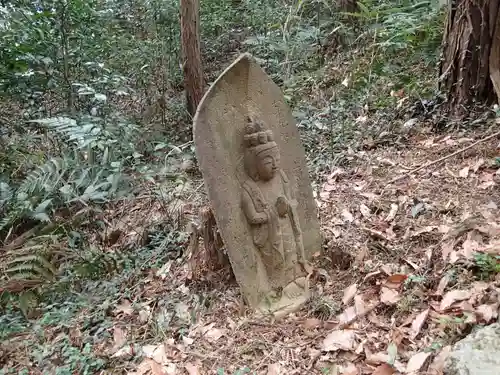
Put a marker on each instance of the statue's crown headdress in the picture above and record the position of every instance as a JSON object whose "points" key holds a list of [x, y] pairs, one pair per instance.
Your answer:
{"points": [[257, 138]]}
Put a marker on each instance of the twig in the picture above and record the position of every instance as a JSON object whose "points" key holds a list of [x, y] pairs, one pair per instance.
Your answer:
{"points": [[406, 174], [358, 316]]}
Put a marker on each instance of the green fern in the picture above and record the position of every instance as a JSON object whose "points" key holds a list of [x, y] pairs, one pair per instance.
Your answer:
{"points": [[69, 129], [6, 194], [45, 178], [24, 271]]}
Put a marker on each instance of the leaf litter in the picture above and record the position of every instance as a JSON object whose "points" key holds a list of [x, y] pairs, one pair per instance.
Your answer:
{"points": [[417, 283]]}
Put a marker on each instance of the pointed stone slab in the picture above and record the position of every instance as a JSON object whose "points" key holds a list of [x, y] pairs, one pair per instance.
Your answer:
{"points": [[244, 90]]}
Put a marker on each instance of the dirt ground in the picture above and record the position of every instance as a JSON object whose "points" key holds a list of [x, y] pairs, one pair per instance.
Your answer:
{"points": [[409, 266]]}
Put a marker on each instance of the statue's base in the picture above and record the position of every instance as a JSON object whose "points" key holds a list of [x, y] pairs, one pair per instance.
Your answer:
{"points": [[292, 298]]}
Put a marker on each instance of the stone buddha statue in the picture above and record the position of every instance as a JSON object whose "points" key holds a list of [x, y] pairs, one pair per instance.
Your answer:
{"points": [[270, 208]]}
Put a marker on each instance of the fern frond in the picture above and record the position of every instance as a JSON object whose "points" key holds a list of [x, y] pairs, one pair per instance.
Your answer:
{"points": [[46, 177], [6, 194], [33, 258], [35, 264], [69, 129]]}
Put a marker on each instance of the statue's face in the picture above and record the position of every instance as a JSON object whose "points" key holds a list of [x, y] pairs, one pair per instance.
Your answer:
{"points": [[267, 166]]}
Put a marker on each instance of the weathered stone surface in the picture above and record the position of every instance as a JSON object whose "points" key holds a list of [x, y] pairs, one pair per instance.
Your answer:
{"points": [[253, 164], [477, 354]]}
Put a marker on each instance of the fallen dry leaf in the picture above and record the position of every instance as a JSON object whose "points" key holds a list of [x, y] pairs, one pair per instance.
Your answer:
{"points": [[156, 368], [479, 287], [346, 81], [417, 361], [389, 268], [170, 369], [464, 172], [477, 165], [182, 312], [487, 312], [395, 281], [312, 323], [350, 369], [125, 351], [392, 212], [359, 304], [347, 216], [443, 283], [347, 315], [372, 274], [417, 324], [437, 365], [144, 315], [454, 256], [381, 358], [143, 368], [454, 296], [365, 211], [156, 353], [274, 369], [119, 338], [328, 187], [343, 339], [389, 296], [487, 177], [485, 185], [214, 334], [384, 369], [192, 369], [336, 172], [447, 248], [124, 307], [335, 231], [469, 247], [349, 293]]}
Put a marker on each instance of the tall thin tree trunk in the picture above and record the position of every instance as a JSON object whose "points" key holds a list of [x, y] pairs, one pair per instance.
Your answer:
{"points": [[63, 29], [467, 47], [191, 55]]}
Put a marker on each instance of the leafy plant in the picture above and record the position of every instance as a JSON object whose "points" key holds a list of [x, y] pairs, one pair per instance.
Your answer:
{"points": [[488, 264]]}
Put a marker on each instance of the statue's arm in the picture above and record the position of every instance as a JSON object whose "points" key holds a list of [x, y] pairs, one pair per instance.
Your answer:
{"points": [[253, 217]]}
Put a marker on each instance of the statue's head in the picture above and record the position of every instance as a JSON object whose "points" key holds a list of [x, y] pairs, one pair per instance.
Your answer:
{"points": [[262, 156]]}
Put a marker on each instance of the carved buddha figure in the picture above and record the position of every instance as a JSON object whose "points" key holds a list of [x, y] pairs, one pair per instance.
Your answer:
{"points": [[270, 208]]}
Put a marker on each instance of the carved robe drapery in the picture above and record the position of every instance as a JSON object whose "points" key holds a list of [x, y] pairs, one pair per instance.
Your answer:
{"points": [[278, 239]]}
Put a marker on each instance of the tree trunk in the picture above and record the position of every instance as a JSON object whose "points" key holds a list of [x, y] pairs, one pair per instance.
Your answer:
{"points": [[191, 55], [468, 65], [349, 6]]}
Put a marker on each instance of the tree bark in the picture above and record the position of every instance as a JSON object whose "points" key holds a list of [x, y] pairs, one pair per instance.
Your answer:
{"points": [[468, 52], [350, 6], [191, 55]]}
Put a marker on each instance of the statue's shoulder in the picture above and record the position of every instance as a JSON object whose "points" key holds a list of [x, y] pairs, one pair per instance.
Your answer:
{"points": [[251, 188], [249, 185]]}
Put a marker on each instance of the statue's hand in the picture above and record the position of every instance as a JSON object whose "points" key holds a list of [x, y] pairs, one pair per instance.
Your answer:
{"points": [[258, 219], [282, 206]]}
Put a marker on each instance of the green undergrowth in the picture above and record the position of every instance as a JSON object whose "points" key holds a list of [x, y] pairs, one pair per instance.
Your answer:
{"points": [[379, 66], [72, 320]]}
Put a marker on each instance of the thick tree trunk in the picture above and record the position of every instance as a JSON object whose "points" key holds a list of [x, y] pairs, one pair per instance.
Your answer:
{"points": [[468, 51], [350, 6], [191, 55]]}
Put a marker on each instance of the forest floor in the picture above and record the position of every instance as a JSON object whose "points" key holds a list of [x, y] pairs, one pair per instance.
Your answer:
{"points": [[408, 268]]}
